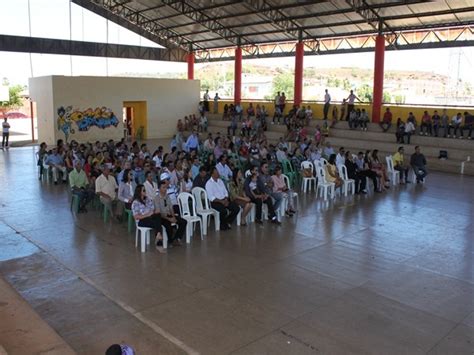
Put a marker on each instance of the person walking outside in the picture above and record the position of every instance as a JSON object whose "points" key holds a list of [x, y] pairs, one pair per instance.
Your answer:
{"points": [[6, 133]]}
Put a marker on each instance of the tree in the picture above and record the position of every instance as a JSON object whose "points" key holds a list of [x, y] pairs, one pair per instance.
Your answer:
{"points": [[284, 82], [346, 85], [387, 98], [15, 98], [365, 93], [399, 99]]}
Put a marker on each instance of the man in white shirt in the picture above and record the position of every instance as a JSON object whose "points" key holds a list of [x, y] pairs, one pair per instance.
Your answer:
{"points": [[206, 101], [455, 124], [327, 103], [5, 133], [216, 103], [328, 150], [224, 171], [219, 197], [409, 130], [106, 187], [350, 103], [340, 157], [150, 186]]}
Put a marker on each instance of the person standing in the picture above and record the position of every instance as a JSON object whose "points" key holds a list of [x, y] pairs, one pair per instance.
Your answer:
{"points": [[350, 103], [206, 101], [216, 103], [418, 163], [327, 103], [343, 109], [6, 133]]}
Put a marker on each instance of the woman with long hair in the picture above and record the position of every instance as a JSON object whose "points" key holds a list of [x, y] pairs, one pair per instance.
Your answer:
{"points": [[186, 184], [237, 194], [147, 215], [331, 171], [380, 170], [126, 189]]}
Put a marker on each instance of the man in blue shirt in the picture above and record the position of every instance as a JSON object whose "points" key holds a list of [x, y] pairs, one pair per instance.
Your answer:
{"points": [[192, 143], [55, 162]]}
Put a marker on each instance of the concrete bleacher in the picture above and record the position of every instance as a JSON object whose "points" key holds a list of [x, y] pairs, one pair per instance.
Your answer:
{"points": [[459, 150]]}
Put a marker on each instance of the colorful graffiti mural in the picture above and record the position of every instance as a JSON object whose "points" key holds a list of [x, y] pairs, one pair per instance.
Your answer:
{"points": [[101, 117]]}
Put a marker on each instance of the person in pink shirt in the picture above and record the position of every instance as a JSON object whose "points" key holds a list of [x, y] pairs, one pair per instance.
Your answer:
{"points": [[280, 186], [426, 124]]}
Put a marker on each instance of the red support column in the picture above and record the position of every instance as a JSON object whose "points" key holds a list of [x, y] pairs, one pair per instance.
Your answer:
{"points": [[378, 78], [299, 55], [238, 76], [190, 60]]}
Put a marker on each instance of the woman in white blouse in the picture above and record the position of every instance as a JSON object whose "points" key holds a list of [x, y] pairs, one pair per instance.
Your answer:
{"points": [[186, 182], [126, 188]]}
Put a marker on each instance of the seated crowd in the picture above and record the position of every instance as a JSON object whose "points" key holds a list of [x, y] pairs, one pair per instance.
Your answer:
{"points": [[238, 173], [435, 125]]}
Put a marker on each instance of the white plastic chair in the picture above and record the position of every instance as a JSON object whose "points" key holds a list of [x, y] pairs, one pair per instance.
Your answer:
{"points": [[189, 214], [204, 210], [144, 234], [323, 185], [250, 217], [347, 182], [295, 194], [307, 182], [324, 161], [394, 174], [318, 163]]}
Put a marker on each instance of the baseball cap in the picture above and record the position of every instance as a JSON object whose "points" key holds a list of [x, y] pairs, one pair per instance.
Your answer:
{"points": [[165, 176]]}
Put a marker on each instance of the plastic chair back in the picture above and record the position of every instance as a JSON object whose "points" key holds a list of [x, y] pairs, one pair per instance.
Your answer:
{"points": [[185, 209], [307, 165], [321, 175], [389, 160], [343, 172], [200, 196], [287, 167]]}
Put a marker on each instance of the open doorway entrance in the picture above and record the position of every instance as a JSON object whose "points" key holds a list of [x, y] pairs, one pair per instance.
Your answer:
{"points": [[135, 119]]}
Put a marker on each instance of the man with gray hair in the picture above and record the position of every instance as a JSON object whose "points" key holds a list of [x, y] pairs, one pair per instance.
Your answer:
{"points": [[106, 187]]}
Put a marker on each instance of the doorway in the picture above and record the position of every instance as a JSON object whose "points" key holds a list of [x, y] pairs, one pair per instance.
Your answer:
{"points": [[135, 119]]}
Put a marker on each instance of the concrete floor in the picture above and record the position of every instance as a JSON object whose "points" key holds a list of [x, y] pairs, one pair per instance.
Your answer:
{"points": [[384, 274]]}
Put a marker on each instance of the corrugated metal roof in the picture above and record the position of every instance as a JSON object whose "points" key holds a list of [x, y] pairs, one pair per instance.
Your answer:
{"points": [[219, 23]]}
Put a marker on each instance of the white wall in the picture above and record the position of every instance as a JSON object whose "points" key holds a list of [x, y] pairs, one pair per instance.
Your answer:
{"points": [[41, 90], [167, 101]]}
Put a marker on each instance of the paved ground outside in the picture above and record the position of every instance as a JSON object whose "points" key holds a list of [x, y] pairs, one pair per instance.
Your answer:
{"points": [[390, 273]]}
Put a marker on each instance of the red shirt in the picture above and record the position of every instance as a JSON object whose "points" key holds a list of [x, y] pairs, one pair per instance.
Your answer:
{"points": [[387, 117]]}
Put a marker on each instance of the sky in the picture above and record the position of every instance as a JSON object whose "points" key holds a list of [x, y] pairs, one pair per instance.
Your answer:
{"points": [[50, 18]]}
